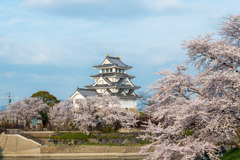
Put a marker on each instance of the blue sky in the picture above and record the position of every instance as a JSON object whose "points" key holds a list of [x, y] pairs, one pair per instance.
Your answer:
{"points": [[53, 44]]}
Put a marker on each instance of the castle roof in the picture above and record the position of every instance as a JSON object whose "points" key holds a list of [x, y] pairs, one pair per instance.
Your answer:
{"points": [[112, 62], [112, 86], [87, 92], [120, 75], [103, 82]]}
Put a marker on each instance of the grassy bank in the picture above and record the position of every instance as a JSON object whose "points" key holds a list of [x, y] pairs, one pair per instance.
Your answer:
{"points": [[107, 139], [233, 154]]}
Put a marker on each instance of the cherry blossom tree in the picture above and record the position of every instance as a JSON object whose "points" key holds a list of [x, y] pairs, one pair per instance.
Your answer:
{"points": [[105, 109], [112, 114], [84, 114], [200, 112], [61, 113], [27, 109]]}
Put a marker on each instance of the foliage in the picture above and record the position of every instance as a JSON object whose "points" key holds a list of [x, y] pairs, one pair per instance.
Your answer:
{"points": [[61, 113], [46, 97], [107, 129], [116, 136], [75, 142], [27, 109], [98, 144], [91, 112], [144, 142], [44, 116], [188, 132], [67, 141], [73, 136], [233, 154], [207, 102], [113, 144], [95, 110]]}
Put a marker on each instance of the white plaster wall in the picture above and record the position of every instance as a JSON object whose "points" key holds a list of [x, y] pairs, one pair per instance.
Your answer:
{"points": [[101, 90], [128, 103], [75, 97], [114, 79], [114, 90]]}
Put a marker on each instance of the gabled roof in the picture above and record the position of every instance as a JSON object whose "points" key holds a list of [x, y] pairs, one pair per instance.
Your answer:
{"points": [[86, 92], [104, 80], [123, 82], [116, 61], [111, 62]]}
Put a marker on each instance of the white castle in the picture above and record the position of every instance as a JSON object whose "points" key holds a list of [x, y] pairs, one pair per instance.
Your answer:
{"points": [[112, 79]]}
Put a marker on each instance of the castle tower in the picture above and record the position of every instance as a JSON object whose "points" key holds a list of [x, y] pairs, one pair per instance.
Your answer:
{"points": [[112, 79]]}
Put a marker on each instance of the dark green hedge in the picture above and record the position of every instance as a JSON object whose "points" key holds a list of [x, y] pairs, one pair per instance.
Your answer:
{"points": [[73, 136]]}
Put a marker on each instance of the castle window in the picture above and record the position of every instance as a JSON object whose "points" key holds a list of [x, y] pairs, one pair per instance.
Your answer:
{"points": [[107, 70], [111, 70], [103, 70], [122, 71], [119, 70]]}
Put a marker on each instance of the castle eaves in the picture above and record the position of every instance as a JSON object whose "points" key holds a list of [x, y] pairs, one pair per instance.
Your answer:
{"points": [[120, 75]]}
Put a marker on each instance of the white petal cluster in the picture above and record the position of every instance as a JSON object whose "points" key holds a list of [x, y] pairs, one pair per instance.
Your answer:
{"points": [[106, 110], [27, 109], [200, 112]]}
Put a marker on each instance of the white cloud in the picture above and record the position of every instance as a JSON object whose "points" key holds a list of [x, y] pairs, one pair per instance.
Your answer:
{"points": [[16, 53]]}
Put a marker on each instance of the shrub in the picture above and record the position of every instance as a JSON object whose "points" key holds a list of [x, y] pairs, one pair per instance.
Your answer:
{"points": [[69, 140], [75, 141], [73, 136], [188, 132]]}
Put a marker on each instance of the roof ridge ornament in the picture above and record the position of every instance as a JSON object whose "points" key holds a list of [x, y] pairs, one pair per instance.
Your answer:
{"points": [[107, 55], [118, 56]]}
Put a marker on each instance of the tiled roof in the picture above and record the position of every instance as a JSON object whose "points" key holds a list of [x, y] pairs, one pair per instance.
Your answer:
{"points": [[121, 75], [114, 62], [117, 61], [112, 86], [87, 92]]}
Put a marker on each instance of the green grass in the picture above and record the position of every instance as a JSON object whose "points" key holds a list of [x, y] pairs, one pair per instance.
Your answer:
{"points": [[110, 144], [85, 136], [233, 154], [116, 136], [73, 136], [80, 136], [98, 144]]}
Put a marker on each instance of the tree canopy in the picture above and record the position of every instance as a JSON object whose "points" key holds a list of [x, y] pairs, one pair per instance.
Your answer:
{"points": [[91, 111], [200, 112], [46, 97], [26, 109]]}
